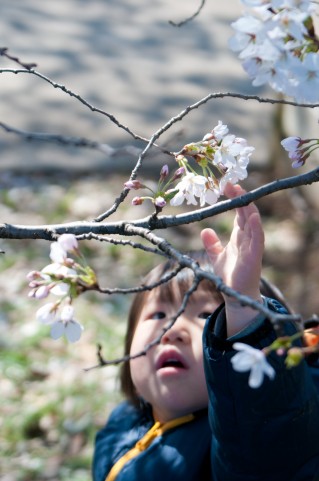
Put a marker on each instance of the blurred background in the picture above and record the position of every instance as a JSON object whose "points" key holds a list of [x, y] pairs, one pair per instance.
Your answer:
{"points": [[126, 59]]}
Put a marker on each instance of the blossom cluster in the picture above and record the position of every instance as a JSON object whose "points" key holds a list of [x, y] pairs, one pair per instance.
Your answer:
{"points": [[299, 149], [220, 157], [65, 278], [277, 45]]}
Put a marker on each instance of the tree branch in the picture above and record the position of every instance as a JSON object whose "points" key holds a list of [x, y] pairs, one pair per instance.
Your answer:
{"points": [[50, 232]]}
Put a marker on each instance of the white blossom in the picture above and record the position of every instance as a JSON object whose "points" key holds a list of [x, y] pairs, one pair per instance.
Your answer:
{"points": [[220, 130], [223, 157], [67, 326], [46, 314], [210, 194], [291, 143], [275, 47], [250, 359], [68, 242], [57, 253], [190, 187], [56, 270]]}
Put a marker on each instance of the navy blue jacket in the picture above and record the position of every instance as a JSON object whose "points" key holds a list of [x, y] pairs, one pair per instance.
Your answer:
{"points": [[265, 434]]}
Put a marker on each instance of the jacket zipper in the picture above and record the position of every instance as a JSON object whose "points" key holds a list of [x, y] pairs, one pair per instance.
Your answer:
{"points": [[156, 430]]}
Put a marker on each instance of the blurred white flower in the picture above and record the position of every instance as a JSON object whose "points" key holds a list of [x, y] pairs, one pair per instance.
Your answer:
{"points": [[291, 143], [68, 242], [58, 271], [220, 130], [250, 359], [41, 292], [47, 313], [276, 45], [57, 253], [67, 326]]}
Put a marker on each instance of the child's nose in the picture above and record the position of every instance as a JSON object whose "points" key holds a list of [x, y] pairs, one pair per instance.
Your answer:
{"points": [[179, 332]]}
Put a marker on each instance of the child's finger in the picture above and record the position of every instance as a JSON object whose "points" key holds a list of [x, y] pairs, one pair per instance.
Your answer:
{"points": [[242, 213], [212, 243], [232, 190]]}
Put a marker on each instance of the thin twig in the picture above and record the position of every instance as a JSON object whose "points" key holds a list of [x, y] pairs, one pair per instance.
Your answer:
{"points": [[28, 66], [157, 340], [142, 288], [189, 19], [63, 140], [122, 242]]}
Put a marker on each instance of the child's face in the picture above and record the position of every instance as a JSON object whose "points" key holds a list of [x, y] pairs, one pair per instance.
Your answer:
{"points": [[171, 375]]}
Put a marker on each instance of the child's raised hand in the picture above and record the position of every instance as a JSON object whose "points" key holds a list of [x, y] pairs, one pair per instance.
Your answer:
{"points": [[239, 262]]}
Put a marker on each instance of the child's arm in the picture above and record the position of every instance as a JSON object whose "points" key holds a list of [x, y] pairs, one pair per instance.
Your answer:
{"points": [[239, 262], [270, 432]]}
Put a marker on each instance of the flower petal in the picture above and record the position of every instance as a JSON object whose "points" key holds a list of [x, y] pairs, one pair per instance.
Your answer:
{"points": [[57, 329], [60, 289], [67, 313], [46, 314], [256, 376], [57, 253], [269, 370], [73, 331]]}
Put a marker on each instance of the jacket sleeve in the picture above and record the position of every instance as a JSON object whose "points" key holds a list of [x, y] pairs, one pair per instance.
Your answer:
{"points": [[268, 433]]}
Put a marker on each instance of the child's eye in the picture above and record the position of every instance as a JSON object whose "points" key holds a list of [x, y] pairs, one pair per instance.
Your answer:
{"points": [[158, 315], [204, 315]]}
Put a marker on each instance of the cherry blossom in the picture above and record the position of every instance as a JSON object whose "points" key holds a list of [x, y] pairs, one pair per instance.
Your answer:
{"points": [[66, 278], [299, 149], [210, 194], [57, 253], [190, 187], [68, 242], [253, 360], [46, 314], [220, 130], [67, 326], [276, 44], [291, 143]]}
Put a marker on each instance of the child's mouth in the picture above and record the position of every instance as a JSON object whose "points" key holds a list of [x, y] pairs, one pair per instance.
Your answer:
{"points": [[171, 361]]}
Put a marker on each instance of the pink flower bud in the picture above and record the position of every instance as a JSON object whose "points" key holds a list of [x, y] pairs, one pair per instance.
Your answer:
{"points": [[42, 292], [160, 202], [133, 184], [164, 171], [179, 173], [137, 201], [32, 276]]}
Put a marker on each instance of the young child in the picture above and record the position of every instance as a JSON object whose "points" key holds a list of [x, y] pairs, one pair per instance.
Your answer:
{"points": [[189, 416]]}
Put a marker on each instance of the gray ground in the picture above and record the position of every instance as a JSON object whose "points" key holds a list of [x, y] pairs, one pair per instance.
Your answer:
{"points": [[125, 58]]}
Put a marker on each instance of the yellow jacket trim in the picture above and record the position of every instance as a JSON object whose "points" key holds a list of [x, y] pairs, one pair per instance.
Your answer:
{"points": [[156, 430]]}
